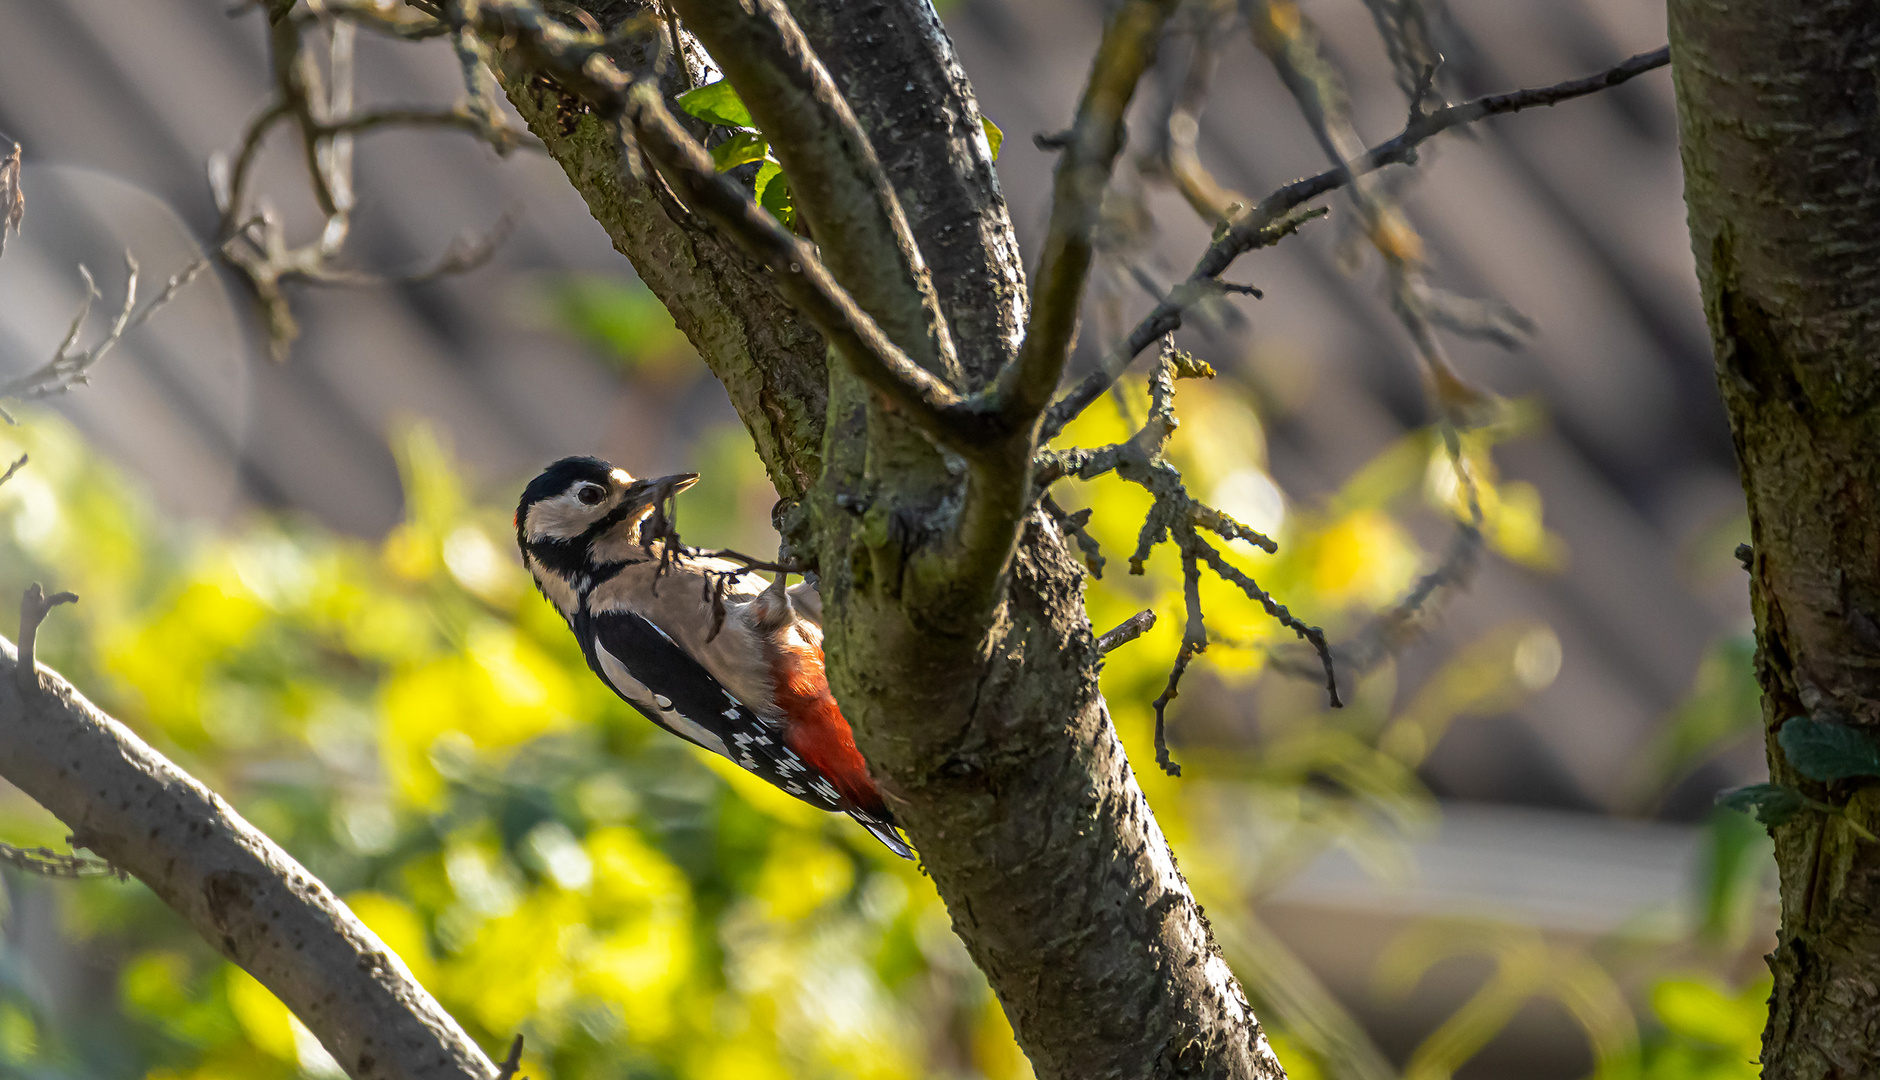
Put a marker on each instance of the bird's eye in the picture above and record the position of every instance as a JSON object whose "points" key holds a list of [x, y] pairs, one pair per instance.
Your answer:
{"points": [[590, 494]]}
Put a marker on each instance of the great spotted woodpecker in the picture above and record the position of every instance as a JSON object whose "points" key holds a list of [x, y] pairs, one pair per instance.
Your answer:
{"points": [[744, 680]]}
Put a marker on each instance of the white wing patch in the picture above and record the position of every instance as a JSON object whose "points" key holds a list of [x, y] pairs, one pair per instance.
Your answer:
{"points": [[635, 691]]}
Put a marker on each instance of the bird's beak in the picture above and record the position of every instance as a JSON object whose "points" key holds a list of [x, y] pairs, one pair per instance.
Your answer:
{"points": [[672, 485]]}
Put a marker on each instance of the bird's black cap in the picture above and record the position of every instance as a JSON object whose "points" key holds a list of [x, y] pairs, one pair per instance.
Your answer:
{"points": [[556, 479]]}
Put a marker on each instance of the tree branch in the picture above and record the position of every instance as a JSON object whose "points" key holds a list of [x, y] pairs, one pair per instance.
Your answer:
{"points": [[1250, 230], [798, 273], [839, 185], [895, 65], [1083, 174], [244, 895], [773, 362]]}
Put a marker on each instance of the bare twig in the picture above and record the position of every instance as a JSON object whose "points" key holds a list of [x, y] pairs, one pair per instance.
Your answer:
{"points": [[12, 197], [511, 1063], [1312, 635], [501, 137], [69, 368], [250, 237], [1074, 526], [1292, 44], [13, 468], [1250, 229], [1177, 516], [1126, 631], [35, 605], [1130, 36], [1194, 642]]}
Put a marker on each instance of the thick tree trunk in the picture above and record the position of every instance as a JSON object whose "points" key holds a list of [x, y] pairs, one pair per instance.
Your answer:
{"points": [[985, 726], [1779, 106]]}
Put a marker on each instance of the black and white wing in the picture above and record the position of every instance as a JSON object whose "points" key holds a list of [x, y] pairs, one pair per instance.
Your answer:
{"points": [[672, 689]]}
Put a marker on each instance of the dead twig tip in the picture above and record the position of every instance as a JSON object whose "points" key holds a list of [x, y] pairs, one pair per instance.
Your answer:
{"points": [[35, 605]]}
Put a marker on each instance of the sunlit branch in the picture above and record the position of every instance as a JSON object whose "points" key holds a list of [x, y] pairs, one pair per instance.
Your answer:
{"points": [[838, 182], [1126, 631], [1083, 173], [12, 198], [247, 898]]}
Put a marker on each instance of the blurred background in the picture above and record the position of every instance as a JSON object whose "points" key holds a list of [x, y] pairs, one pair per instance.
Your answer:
{"points": [[298, 579]]}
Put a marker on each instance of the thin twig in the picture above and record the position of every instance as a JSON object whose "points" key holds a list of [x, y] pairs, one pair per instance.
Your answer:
{"points": [[1194, 642], [69, 368], [1074, 526], [1024, 388], [511, 1063], [12, 196], [1126, 631], [13, 468], [34, 606], [1249, 230]]}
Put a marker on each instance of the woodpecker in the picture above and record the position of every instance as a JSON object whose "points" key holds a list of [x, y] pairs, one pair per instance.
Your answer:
{"points": [[744, 680]]}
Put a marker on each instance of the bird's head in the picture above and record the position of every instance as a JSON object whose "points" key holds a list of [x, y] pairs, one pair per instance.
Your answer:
{"points": [[581, 512]]}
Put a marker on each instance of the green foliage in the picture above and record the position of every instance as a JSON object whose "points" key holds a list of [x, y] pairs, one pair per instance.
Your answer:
{"points": [[740, 149], [1705, 1031], [1773, 804], [995, 138], [717, 103], [774, 194], [621, 320], [1823, 748], [415, 724]]}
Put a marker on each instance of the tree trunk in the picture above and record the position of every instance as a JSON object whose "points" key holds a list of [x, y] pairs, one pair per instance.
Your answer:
{"points": [[1779, 109], [982, 720]]}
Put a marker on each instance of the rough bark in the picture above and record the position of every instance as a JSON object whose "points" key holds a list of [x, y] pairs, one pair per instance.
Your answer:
{"points": [[982, 720], [894, 62], [244, 895], [1779, 107]]}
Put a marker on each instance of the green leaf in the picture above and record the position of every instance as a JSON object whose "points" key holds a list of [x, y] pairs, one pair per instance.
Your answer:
{"points": [[717, 103], [993, 136], [1823, 749], [773, 194], [1773, 804], [739, 149]]}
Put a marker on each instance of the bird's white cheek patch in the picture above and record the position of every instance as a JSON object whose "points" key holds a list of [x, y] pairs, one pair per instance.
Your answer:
{"points": [[637, 692]]}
